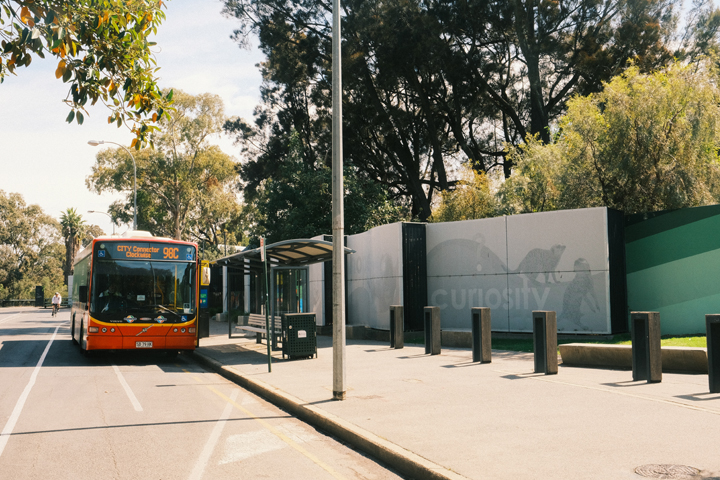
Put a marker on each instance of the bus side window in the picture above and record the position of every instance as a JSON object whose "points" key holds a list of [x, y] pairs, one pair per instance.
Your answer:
{"points": [[83, 293]]}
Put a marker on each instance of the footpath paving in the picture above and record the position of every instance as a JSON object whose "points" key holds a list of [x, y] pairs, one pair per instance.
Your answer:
{"points": [[445, 417]]}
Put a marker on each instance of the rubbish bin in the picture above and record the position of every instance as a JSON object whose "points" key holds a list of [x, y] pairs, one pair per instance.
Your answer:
{"points": [[545, 342], [299, 336], [646, 351], [39, 296]]}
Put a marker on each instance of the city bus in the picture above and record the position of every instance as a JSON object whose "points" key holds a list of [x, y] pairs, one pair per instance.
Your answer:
{"points": [[135, 292]]}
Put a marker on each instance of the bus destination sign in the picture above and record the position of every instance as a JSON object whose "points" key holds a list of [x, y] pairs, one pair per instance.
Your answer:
{"points": [[145, 251]]}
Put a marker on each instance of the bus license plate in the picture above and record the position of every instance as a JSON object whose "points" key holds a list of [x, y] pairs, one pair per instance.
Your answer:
{"points": [[143, 344]]}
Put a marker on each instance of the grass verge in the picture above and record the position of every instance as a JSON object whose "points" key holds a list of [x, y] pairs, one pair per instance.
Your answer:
{"points": [[526, 344]]}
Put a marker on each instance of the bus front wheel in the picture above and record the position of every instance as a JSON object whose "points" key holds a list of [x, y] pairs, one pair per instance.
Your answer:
{"points": [[83, 348], [72, 331]]}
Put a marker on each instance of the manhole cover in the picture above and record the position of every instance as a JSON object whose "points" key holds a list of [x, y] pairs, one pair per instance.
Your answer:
{"points": [[667, 471]]}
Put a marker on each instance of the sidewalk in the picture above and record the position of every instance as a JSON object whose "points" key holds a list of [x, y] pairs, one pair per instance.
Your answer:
{"points": [[443, 416]]}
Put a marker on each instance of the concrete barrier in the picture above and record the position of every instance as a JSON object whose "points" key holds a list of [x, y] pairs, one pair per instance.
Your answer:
{"points": [[433, 335], [645, 333], [397, 326], [545, 341]]}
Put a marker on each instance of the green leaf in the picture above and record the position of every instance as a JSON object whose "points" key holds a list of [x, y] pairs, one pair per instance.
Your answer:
{"points": [[70, 117], [67, 75], [169, 96], [80, 118]]}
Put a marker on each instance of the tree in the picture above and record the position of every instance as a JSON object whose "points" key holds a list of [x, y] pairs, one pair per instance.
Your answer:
{"points": [[30, 250], [180, 179], [103, 52], [535, 184], [647, 142], [297, 201], [430, 84], [471, 198], [73, 230]]}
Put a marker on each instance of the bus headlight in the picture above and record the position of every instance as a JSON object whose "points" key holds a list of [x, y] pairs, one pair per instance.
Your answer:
{"points": [[191, 330], [93, 329], [104, 330]]}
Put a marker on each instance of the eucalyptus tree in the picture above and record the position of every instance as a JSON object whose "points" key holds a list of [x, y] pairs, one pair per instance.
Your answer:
{"points": [[30, 250], [177, 180], [430, 84], [103, 52]]}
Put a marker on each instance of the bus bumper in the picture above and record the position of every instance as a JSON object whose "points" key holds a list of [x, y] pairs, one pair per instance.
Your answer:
{"points": [[114, 342]]}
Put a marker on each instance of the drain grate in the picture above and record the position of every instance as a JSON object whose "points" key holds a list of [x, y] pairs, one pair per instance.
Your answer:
{"points": [[667, 471]]}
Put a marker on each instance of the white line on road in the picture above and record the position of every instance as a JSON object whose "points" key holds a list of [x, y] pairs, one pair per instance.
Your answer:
{"points": [[8, 318], [10, 425], [130, 394], [199, 469]]}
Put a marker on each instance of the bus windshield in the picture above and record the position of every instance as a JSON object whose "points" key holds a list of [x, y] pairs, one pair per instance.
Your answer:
{"points": [[143, 291]]}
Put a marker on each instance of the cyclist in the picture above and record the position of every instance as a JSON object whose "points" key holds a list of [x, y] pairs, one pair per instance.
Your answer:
{"points": [[56, 300]]}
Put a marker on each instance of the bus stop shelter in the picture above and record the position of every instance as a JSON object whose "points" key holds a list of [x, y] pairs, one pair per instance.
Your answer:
{"points": [[287, 267]]}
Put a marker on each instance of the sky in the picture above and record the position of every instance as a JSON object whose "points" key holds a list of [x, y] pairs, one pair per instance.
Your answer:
{"points": [[46, 160]]}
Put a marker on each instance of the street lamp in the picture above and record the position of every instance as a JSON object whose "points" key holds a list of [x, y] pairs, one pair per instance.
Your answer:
{"points": [[95, 143], [104, 213]]}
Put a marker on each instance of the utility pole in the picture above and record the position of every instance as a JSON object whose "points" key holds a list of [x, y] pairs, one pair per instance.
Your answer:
{"points": [[338, 217]]}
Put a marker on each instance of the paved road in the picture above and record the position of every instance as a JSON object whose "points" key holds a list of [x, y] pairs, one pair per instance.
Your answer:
{"points": [[145, 416]]}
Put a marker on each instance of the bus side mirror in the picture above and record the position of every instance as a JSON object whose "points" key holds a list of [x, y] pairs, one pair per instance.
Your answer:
{"points": [[83, 294]]}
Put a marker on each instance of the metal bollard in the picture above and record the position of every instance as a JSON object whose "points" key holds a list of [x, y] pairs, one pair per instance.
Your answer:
{"points": [[481, 335], [432, 330], [545, 342], [397, 321], [712, 322], [646, 352]]}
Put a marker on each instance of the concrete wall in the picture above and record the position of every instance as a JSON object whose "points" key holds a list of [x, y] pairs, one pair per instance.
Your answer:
{"points": [[542, 261], [374, 276], [673, 260]]}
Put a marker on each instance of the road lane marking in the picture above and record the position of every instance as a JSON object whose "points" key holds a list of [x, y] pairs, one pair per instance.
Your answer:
{"points": [[212, 440], [15, 415], [10, 317], [248, 445], [273, 430], [128, 390]]}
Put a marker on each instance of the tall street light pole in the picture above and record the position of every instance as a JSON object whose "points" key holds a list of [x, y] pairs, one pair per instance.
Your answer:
{"points": [[338, 220], [104, 213], [95, 143]]}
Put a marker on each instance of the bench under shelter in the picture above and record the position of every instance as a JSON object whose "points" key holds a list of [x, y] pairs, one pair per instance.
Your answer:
{"points": [[287, 259]]}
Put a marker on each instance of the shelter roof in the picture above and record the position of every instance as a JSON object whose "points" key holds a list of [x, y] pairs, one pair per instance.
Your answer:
{"points": [[287, 253]]}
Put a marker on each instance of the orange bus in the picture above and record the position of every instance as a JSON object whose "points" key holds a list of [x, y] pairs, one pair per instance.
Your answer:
{"points": [[135, 292]]}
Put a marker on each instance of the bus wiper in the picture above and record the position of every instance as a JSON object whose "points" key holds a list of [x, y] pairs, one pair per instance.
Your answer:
{"points": [[146, 307], [164, 308]]}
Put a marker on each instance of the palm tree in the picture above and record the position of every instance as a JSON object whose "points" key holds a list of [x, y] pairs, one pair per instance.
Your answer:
{"points": [[73, 230]]}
